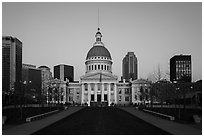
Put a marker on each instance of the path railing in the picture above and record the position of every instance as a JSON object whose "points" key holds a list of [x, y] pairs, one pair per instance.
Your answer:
{"points": [[160, 114], [29, 119]]}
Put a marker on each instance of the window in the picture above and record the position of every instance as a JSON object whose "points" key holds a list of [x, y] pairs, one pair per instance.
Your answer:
{"points": [[120, 91], [92, 97], [70, 98], [86, 87], [120, 98], [105, 67], [126, 98], [112, 86], [101, 57], [89, 67], [105, 87], [105, 97], [98, 67], [70, 91], [135, 97], [95, 67], [126, 91], [101, 67]]}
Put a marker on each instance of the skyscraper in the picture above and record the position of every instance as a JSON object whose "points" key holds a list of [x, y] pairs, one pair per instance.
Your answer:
{"points": [[11, 64], [31, 77], [180, 68], [129, 66], [64, 71], [46, 77]]}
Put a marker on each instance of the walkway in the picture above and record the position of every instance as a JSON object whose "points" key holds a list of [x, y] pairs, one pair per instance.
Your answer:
{"points": [[29, 128], [169, 126], [101, 121]]}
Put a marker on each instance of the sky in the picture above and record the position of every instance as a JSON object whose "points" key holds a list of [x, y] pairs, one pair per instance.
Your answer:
{"points": [[63, 33]]}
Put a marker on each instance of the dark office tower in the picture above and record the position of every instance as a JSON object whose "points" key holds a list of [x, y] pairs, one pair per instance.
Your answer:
{"points": [[64, 72], [129, 66], [32, 83], [11, 64], [180, 68]]}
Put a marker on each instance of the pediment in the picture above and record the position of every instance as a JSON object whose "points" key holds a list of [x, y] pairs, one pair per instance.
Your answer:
{"points": [[98, 76]]}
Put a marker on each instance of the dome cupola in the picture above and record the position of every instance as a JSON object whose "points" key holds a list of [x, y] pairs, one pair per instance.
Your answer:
{"points": [[98, 48]]}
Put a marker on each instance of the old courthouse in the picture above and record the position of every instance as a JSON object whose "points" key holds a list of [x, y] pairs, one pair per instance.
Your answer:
{"points": [[99, 86]]}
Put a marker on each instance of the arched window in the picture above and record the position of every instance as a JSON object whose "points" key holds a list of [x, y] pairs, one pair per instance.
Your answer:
{"points": [[101, 67], [95, 67], [98, 67], [91, 67], [105, 67]]}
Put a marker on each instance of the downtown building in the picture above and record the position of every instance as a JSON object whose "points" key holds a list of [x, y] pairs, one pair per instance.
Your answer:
{"points": [[129, 67], [11, 65], [46, 78], [180, 68], [32, 84], [64, 72]]}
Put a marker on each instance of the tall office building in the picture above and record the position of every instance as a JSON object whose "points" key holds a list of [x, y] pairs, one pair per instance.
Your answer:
{"points": [[180, 68], [46, 76], [31, 78], [64, 72], [11, 64], [129, 66]]}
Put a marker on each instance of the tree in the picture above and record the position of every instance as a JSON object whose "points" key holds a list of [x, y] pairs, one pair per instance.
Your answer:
{"points": [[157, 75]]}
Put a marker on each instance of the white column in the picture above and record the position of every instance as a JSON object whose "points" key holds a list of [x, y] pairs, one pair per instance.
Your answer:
{"points": [[109, 90], [82, 94], [89, 94], [115, 93], [95, 92], [64, 95], [133, 92], [102, 92]]}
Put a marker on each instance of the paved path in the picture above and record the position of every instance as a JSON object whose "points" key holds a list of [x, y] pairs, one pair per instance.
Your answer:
{"points": [[101, 121], [169, 126], [29, 128]]}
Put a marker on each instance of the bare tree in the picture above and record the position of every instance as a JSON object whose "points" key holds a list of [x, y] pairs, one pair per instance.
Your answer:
{"points": [[157, 75]]}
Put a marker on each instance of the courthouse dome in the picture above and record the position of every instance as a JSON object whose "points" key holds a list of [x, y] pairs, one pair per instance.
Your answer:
{"points": [[98, 51]]}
